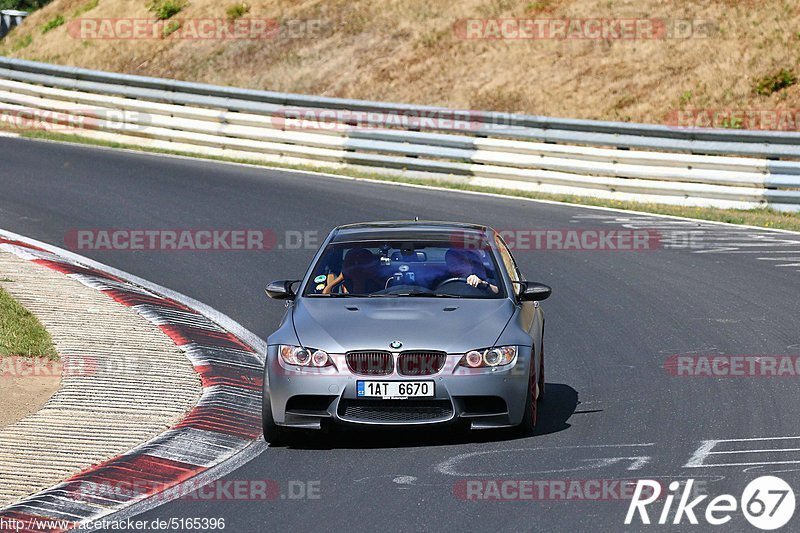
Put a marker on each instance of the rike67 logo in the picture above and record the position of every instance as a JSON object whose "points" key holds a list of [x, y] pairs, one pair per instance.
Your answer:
{"points": [[767, 502]]}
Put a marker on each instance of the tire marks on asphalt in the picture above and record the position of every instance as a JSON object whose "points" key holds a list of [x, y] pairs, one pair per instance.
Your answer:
{"points": [[708, 238]]}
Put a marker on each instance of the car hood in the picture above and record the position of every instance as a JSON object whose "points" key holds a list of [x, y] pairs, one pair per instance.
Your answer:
{"points": [[452, 325]]}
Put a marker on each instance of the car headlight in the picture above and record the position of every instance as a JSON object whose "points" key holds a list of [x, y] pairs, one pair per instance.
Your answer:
{"points": [[489, 357], [300, 356]]}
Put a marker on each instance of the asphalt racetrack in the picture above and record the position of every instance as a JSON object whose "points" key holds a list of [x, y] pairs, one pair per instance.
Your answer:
{"points": [[615, 408]]}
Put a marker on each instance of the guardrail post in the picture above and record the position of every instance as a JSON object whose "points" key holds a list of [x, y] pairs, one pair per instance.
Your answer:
{"points": [[10, 18]]}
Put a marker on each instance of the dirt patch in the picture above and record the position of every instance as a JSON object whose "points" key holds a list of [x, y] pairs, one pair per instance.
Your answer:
{"points": [[26, 382], [21, 395]]}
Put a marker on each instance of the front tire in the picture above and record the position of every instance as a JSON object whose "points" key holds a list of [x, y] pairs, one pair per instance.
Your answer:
{"points": [[529, 418], [541, 374]]}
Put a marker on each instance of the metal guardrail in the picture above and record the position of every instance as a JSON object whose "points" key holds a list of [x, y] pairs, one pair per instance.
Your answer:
{"points": [[727, 168], [10, 18]]}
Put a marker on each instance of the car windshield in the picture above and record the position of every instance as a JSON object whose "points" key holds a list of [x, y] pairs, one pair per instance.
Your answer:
{"points": [[406, 269]]}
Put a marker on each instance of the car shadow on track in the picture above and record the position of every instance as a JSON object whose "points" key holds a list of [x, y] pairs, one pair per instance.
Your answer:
{"points": [[554, 412]]}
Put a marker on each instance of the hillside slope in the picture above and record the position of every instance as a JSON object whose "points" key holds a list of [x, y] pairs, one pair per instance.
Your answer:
{"points": [[735, 55]]}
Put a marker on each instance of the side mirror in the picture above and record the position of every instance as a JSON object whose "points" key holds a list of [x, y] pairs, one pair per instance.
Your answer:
{"points": [[535, 292], [281, 289]]}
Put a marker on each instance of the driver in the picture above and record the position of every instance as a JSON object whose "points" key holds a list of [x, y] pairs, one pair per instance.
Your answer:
{"points": [[464, 264]]}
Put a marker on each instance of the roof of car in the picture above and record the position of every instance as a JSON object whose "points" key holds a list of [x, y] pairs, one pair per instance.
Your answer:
{"points": [[404, 229]]}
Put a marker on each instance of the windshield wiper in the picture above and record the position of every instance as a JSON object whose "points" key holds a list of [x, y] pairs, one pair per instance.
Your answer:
{"points": [[336, 295], [415, 293]]}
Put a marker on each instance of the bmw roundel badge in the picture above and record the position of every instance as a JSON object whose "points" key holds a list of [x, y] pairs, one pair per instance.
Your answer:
{"points": [[395, 344]]}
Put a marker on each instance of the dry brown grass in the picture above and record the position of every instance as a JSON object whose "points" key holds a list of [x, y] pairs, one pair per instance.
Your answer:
{"points": [[407, 50]]}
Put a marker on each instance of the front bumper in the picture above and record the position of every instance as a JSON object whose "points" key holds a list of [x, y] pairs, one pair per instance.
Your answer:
{"points": [[486, 398]]}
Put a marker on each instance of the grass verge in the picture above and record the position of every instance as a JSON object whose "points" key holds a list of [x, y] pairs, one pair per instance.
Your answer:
{"points": [[762, 217], [21, 334]]}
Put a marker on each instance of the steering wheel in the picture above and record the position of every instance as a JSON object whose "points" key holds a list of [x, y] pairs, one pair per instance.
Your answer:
{"points": [[450, 281]]}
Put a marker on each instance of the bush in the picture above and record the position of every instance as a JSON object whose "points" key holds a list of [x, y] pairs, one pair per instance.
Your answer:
{"points": [[237, 10], [164, 9], [772, 84], [23, 5]]}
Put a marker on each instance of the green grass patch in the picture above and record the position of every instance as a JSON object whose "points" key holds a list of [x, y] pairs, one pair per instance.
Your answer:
{"points": [[539, 6], [237, 11], [776, 82], [22, 42], [164, 9], [762, 217], [170, 27], [21, 334], [53, 23], [83, 8]]}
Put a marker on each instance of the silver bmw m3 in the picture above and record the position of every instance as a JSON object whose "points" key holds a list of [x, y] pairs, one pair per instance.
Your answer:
{"points": [[406, 324]]}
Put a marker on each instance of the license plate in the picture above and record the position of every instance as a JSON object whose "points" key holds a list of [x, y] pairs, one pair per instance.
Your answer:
{"points": [[393, 390]]}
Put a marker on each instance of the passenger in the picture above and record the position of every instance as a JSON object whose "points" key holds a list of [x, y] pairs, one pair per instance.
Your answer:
{"points": [[359, 273]]}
